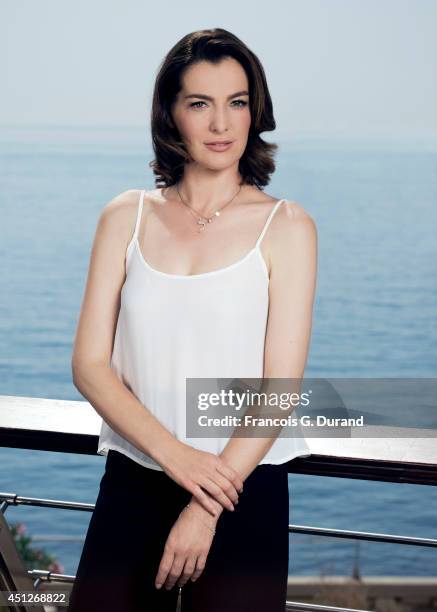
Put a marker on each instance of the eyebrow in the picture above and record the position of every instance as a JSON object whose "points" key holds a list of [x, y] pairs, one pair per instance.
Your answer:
{"points": [[204, 97]]}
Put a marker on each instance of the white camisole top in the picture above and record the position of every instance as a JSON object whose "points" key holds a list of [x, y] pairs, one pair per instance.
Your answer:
{"points": [[174, 326]]}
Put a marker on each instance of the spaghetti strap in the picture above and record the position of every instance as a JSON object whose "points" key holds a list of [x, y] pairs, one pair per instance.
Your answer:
{"points": [[270, 217], [140, 210]]}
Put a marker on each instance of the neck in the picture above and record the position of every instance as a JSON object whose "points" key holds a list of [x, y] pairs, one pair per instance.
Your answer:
{"points": [[207, 192]]}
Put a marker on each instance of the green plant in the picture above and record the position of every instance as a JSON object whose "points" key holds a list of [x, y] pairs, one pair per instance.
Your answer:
{"points": [[33, 558]]}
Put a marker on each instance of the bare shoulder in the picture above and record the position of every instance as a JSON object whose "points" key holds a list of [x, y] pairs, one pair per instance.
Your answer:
{"points": [[121, 211], [293, 236], [118, 217], [293, 220]]}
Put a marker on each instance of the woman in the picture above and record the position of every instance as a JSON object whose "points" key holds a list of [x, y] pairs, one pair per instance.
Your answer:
{"points": [[184, 282]]}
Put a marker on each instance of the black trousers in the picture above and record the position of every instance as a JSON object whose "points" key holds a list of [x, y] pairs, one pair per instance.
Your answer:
{"points": [[247, 566]]}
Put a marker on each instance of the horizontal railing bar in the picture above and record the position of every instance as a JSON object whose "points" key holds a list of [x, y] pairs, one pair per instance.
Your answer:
{"points": [[296, 606], [13, 499], [47, 576], [16, 500], [74, 427], [56, 538], [314, 465], [365, 469], [363, 535]]}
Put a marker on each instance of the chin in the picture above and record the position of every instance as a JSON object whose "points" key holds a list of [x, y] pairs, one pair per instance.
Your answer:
{"points": [[220, 160], [218, 166]]}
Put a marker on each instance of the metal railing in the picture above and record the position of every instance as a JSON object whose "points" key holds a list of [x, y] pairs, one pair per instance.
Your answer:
{"points": [[14, 577], [12, 499]]}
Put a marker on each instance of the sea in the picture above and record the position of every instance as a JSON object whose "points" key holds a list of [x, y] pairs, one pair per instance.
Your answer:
{"points": [[375, 207]]}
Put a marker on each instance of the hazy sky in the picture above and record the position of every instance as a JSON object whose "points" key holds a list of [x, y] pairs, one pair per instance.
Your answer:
{"points": [[335, 68]]}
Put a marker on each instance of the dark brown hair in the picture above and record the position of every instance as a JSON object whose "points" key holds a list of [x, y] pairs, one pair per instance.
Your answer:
{"points": [[256, 163]]}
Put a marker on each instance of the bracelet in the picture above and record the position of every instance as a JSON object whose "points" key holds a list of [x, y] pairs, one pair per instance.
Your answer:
{"points": [[210, 528]]}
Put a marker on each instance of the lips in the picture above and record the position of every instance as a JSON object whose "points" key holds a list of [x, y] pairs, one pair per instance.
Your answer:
{"points": [[218, 146]]}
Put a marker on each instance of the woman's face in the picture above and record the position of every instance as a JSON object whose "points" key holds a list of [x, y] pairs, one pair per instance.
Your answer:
{"points": [[212, 105]]}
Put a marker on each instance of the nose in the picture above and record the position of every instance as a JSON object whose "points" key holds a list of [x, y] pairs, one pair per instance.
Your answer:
{"points": [[219, 121]]}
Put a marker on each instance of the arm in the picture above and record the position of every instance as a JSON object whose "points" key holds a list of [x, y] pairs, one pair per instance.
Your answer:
{"points": [[109, 396], [91, 371], [291, 292]]}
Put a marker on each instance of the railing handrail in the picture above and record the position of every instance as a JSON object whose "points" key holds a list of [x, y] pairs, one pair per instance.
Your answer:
{"points": [[12, 499], [74, 427], [40, 424]]}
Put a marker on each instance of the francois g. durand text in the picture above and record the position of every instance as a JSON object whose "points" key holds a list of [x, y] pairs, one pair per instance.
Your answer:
{"points": [[288, 421]]}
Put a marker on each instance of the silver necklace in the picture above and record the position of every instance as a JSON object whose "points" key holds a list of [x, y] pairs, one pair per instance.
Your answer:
{"points": [[202, 221]]}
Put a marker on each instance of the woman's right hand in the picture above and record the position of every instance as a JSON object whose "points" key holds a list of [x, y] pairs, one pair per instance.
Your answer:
{"points": [[196, 470]]}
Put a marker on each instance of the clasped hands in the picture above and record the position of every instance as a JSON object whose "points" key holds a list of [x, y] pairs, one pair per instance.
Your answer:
{"points": [[214, 486]]}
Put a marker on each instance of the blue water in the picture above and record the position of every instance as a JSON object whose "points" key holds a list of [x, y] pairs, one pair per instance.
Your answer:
{"points": [[375, 312]]}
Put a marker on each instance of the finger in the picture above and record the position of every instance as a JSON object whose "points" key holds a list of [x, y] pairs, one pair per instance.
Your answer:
{"points": [[204, 500], [200, 566], [164, 568], [175, 571], [227, 486], [217, 493], [187, 572], [232, 475]]}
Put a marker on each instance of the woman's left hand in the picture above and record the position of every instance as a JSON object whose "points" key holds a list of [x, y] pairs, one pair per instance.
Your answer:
{"points": [[187, 547]]}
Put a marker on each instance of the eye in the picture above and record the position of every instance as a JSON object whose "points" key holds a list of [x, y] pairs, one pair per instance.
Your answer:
{"points": [[194, 104], [243, 103], [240, 103]]}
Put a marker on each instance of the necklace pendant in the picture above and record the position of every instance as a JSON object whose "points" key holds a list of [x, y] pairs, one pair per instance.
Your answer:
{"points": [[202, 223]]}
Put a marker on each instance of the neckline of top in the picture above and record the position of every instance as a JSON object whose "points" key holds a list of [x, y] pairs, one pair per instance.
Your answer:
{"points": [[201, 274], [254, 250]]}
